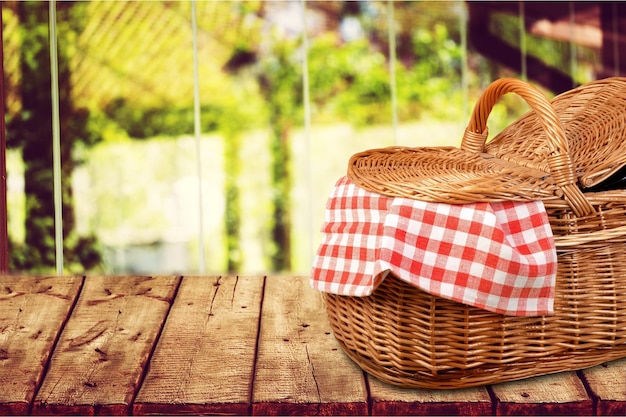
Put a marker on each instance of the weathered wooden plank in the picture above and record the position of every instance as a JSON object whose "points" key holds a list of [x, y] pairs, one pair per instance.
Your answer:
{"points": [[204, 361], [557, 394], [300, 368], [100, 357], [608, 384], [32, 312], [390, 400]]}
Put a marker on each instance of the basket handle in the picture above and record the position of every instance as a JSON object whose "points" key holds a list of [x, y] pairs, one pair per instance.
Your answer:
{"points": [[559, 160]]}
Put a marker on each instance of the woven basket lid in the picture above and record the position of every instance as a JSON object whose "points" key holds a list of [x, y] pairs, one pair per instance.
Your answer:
{"points": [[593, 117], [469, 174], [447, 175]]}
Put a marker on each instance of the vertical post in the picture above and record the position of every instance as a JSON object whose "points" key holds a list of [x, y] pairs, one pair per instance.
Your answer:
{"points": [[522, 35], [307, 129], [4, 236], [572, 43], [464, 65], [56, 140], [196, 118], [391, 32], [612, 18], [616, 69]]}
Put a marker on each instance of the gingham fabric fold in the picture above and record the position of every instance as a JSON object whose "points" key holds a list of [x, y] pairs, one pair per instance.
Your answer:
{"points": [[496, 256]]}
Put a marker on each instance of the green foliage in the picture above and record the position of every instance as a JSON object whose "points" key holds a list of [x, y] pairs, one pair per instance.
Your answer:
{"points": [[280, 82], [31, 131], [254, 79], [348, 81], [142, 123]]}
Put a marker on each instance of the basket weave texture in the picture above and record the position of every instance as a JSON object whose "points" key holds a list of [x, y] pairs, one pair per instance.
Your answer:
{"points": [[410, 338]]}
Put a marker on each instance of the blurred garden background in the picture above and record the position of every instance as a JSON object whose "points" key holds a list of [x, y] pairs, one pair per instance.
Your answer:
{"points": [[163, 175]]}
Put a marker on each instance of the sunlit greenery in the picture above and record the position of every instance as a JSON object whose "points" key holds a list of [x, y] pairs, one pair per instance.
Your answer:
{"points": [[130, 173]]}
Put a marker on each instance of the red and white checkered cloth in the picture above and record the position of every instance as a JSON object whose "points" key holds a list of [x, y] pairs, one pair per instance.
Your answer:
{"points": [[497, 256]]}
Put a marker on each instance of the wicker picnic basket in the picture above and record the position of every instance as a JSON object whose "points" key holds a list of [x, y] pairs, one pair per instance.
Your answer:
{"points": [[407, 337]]}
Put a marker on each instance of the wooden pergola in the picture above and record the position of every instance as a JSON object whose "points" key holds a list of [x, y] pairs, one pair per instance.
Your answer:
{"points": [[4, 237], [598, 25]]}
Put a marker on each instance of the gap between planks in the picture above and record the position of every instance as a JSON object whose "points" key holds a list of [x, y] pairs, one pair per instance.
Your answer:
{"points": [[103, 350], [286, 294], [204, 359], [300, 367], [29, 337]]}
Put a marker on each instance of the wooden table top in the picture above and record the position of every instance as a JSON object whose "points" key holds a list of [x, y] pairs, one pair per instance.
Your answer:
{"points": [[226, 345]]}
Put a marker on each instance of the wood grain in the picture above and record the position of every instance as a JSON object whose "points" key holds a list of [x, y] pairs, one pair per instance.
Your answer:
{"points": [[32, 312], [103, 350], [390, 400], [204, 361], [300, 367], [74, 345], [608, 383], [557, 394]]}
